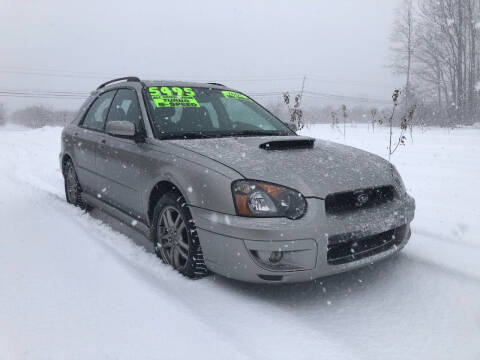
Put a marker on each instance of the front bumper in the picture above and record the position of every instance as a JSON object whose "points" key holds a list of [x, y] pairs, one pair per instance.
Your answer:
{"points": [[313, 246]]}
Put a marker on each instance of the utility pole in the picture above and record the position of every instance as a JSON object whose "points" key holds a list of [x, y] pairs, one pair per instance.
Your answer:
{"points": [[303, 86]]}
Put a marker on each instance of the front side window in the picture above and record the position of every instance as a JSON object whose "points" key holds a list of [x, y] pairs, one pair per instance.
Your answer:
{"points": [[97, 114], [179, 112], [125, 107]]}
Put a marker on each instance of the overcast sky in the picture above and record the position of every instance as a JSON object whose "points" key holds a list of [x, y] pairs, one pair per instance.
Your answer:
{"points": [[256, 46]]}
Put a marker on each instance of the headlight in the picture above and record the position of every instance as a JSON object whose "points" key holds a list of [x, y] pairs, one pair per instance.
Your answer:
{"points": [[397, 179], [259, 199]]}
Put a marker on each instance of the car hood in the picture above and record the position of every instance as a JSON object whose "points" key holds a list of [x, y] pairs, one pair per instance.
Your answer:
{"points": [[315, 171]]}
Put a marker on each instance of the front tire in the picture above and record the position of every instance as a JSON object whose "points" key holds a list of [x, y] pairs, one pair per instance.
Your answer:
{"points": [[73, 189], [175, 238]]}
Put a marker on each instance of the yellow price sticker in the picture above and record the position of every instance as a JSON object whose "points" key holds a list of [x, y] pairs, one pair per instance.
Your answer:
{"points": [[175, 96]]}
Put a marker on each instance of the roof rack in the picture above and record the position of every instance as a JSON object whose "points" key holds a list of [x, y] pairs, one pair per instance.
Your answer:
{"points": [[216, 84], [126, 78]]}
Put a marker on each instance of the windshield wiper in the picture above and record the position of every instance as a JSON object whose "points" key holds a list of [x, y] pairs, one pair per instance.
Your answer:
{"points": [[185, 135], [201, 135], [255, 133]]}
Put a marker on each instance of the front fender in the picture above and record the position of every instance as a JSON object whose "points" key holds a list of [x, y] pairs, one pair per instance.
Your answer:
{"points": [[202, 186]]}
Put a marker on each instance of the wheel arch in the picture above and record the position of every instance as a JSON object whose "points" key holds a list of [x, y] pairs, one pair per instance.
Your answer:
{"points": [[159, 189]]}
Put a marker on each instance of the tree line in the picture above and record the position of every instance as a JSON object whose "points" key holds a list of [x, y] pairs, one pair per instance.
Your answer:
{"points": [[37, 116], [435, 45]]}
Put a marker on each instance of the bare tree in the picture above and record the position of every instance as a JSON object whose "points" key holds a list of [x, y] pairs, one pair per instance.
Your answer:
{"points": [[345, 117], [373, 120], [403, 40], [334, 120], [296, 113], [436, 46], [393, 141]]}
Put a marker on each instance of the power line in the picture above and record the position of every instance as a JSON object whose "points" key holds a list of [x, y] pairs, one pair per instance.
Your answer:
{"points": [[41, 96], [77, 95], [53, 92], [68, 74], [253, 78], [314, 94], [44, 94], [48, 70], [319, 78], [345, 97]]}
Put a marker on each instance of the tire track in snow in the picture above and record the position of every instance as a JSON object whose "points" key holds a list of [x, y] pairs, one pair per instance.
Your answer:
{"points": [[128, 257], [443, 238], [174, 286], [449, 256], [450, 271]]}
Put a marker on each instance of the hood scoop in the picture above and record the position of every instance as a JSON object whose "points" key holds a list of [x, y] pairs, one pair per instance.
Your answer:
{"points": [[288, 144]]}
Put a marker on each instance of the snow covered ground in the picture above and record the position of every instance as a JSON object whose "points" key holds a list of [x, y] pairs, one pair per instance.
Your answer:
{"points": [[83, 286]]}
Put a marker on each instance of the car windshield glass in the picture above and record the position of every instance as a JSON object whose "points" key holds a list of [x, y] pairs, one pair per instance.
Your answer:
{"points": [[190, 112]]}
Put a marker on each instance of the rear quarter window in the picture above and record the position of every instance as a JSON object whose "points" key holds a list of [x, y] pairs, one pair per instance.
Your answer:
{"points": [[97, 114]]}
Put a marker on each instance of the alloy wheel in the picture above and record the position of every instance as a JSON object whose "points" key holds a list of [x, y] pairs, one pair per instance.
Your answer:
{"points": [[71, 185], [172, 239]]}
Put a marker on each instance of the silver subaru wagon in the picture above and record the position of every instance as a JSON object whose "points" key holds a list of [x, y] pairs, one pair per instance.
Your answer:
{"points": [[221, 185]]}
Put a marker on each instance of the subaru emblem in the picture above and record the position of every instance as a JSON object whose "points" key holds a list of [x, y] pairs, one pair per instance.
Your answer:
{"points": [[362, 199]]}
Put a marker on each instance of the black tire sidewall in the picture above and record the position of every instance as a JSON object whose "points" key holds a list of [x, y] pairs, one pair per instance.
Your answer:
{"points": [[78, 197]]}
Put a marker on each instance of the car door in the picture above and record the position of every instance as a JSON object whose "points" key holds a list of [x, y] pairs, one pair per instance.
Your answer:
{"points": [[86, 139], [120, 161]]}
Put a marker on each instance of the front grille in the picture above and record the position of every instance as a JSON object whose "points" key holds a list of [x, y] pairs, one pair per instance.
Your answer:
{"points": [[349, 247], [343, 202]]}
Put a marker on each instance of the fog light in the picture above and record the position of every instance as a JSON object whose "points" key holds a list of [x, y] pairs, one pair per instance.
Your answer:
{"points": [[275, 257]]}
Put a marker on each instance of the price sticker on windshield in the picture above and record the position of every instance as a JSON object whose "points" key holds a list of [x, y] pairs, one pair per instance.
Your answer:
{"points": [[234, 95], [168, 96]]}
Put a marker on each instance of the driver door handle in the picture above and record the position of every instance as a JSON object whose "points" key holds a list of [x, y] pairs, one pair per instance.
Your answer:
{"points": [[102, 143]]}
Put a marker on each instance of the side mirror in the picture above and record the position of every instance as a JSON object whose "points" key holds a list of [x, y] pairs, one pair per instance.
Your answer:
{"points": [[121, 129]]}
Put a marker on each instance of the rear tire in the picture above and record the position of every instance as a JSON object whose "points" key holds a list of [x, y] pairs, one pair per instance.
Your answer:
{"points": [[73, 189], [175, 237]]}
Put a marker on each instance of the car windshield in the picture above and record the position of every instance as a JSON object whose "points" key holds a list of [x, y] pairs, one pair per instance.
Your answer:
{"points": [[192, 112]]}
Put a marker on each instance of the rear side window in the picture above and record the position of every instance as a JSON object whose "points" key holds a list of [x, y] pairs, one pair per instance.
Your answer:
{"points": [[125, 107], [97, 114]]}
